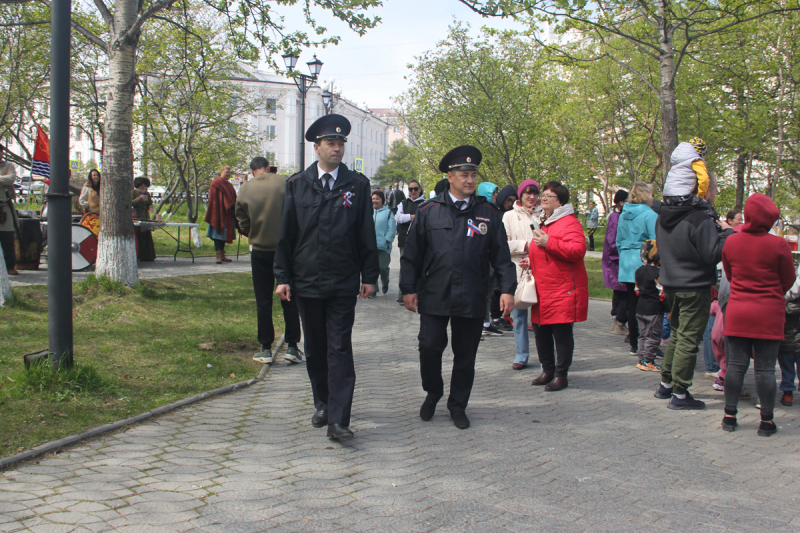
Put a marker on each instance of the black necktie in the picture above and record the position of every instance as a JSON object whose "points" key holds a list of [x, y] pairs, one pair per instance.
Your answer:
{"points": [[327, 179], [460, 204]]}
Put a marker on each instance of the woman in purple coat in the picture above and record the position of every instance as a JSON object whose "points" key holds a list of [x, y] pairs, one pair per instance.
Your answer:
{"points": [[619, 309]]}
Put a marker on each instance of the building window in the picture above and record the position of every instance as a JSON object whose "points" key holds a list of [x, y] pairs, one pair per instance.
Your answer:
{"points": [[77, 156], [272, 106], [270, 132]]}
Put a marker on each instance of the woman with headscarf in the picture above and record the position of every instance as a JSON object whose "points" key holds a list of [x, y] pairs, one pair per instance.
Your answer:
{"points": [[619, 301], [489, 191], [760, 269], [520, 223], [220, 214]]}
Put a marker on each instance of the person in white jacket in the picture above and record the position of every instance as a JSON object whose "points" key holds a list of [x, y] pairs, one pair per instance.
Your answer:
{"points": [[520, 222]]}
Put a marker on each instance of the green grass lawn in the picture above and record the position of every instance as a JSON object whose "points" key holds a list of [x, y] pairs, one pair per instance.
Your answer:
{"points": [[597, 287], [135, 349]]}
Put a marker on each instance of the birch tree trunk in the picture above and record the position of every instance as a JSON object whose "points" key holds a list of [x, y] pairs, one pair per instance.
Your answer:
{"points": [[116, 252], [5, 285], [666, 100]]}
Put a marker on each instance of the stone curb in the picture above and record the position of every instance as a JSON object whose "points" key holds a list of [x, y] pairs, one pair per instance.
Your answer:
{"points": [[55, 445]]}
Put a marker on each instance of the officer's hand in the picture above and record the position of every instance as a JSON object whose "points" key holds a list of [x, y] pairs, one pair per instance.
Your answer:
{"points": [[410, 301], [284, 292], [366, 290], [506, 304]]}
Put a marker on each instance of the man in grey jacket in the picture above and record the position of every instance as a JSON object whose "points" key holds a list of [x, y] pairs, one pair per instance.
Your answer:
{"points": [[690, 245]]}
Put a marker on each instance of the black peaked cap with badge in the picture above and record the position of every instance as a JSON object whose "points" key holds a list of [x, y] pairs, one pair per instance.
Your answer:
{"points": [[328, 127], [463, 157]]}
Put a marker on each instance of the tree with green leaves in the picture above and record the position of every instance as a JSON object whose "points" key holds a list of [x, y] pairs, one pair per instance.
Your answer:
{"points": [[253, 28], [399, 165], [193, 117], [666, 32]]}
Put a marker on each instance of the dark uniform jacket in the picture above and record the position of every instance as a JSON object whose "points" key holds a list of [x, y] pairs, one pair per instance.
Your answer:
{"points": [[327, 249], [447, 268]]}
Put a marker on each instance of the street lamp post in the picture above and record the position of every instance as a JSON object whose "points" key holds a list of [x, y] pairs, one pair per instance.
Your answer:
{"points": [[329, 100], [304, 83]]}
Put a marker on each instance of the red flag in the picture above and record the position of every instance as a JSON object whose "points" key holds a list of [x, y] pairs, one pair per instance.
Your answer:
{"points": [[41, 154]]}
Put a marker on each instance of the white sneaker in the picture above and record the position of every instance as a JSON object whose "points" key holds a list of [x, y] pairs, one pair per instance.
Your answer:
{"points": [[712, 375], [264, 357]]}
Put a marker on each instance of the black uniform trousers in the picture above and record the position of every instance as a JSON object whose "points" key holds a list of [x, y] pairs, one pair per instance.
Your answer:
{"points": [[264, 287], [466, 336], [7, 242], [327, 332]]}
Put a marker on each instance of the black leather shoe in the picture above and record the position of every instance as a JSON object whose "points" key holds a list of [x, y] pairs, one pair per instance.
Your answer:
{"points": [[556, 385], [320, 418], [460, 419], [428, 408], [543, 379], [338, 431]]}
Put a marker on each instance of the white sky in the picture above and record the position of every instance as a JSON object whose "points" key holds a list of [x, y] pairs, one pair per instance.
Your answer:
{"points": [[371, 68]]}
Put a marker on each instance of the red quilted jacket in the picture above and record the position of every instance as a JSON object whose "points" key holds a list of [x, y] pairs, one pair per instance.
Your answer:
{"points": [[560, 274]]}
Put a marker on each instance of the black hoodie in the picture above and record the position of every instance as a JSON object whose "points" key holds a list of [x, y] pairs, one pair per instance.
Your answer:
{"points": [[690, 248], [504, 193]]}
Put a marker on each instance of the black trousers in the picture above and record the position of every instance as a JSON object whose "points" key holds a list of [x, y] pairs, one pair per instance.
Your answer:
{"points": [[264, 287], [619, 306], [7, 242], [591, 238], [219, 245], [555, 345], [633, 324], [466, 336], [327, 331]]}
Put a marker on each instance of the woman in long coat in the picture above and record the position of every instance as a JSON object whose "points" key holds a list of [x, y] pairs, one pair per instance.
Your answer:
{"points": [[220, 214], [619, 301]]}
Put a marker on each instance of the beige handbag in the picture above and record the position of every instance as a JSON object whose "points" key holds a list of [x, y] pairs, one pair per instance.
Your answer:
{"points": [[525, 295]]}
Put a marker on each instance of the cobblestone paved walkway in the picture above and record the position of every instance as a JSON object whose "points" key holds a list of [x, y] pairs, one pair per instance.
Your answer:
{"points": [[603, 455]]}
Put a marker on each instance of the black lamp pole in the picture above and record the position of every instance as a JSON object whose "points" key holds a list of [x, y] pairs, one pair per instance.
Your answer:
{"points": [[304, 83], [59, 205]]}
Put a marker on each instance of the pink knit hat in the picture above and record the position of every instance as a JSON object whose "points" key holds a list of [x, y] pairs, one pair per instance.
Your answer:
{"points": [[524, 185]]}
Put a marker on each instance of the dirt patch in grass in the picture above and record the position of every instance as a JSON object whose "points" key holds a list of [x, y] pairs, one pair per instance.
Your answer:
{"points": [[135, 349]]}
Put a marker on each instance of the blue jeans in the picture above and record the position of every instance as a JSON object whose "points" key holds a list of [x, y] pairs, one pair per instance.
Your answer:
{"points": [[520, 318], [790, 368], [708, 352]]}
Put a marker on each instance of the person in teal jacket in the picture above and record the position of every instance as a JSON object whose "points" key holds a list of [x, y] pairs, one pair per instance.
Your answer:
{"points": [[385, 230], [488, 191], [637, 223]]}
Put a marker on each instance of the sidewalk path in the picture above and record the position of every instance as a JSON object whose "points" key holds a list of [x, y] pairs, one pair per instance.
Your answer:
{"points": [[602, 455], [162, 267]]}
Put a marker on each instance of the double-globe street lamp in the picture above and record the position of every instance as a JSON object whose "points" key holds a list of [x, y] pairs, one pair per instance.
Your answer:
{"points": [[303, 83]]}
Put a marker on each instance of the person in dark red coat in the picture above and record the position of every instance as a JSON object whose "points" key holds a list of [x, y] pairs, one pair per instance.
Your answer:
{"points": [[760, 269], [220, 214], [556, 261]]}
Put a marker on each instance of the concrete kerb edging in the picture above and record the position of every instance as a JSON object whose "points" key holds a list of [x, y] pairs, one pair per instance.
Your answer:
{"points": [[55, 445]]}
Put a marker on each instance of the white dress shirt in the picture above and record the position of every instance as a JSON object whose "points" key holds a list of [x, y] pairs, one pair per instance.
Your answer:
{"points": [[334, 174], [466, 200]]}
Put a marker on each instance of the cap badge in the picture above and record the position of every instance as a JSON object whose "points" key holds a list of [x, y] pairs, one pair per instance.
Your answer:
{"points": [[469, 160], [338, 129]]}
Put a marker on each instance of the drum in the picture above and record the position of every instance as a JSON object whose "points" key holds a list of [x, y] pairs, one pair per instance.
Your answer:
{"points": [[91, 221], [28, 245], [84, 248]]}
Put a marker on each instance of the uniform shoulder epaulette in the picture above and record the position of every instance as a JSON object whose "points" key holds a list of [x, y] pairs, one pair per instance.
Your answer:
{"points": [[361, 177], [293, 177]]}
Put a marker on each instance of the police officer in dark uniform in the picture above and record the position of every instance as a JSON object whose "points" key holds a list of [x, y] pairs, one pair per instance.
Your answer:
{"points": [[326, 257], [444, 274]]}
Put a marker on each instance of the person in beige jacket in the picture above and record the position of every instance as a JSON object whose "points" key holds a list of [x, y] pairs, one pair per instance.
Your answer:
{"points": [[7, 176], [520, 222], [259, 207]]}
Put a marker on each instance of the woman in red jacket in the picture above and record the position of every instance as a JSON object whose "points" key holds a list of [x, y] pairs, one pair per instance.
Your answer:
{"points": [[556, 261], [760, 269]]}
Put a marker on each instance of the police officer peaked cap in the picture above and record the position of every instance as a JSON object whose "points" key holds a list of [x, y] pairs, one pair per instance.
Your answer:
{"points": [[464, 157], [328, 127]]}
